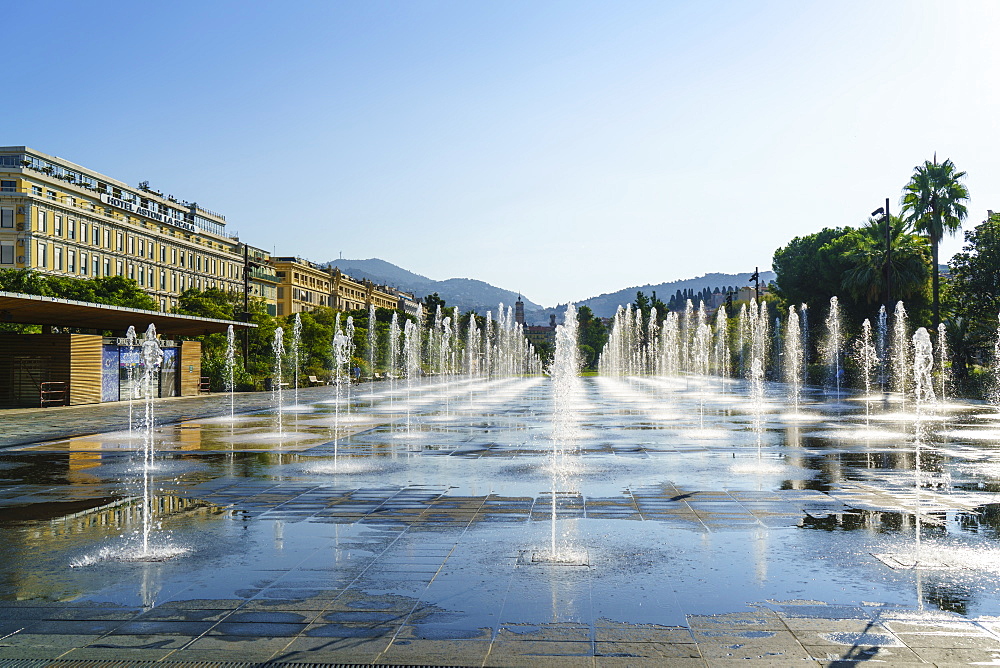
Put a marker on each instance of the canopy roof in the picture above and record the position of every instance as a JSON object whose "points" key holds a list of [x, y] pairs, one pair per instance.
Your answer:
{"points": [[35, 310]]}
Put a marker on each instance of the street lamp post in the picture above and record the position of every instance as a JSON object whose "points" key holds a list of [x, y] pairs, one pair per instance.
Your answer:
{"points": [[888, 252]]}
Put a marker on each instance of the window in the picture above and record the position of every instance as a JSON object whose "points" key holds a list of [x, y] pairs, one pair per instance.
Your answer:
{"points": [[150, 250], [83, 263], [97, 235], [36, 190], [6, 254], [163, 304], [107, 238], [57, 226], [150, 278], [8, 186], [119, 242], [43, 256], [71, 229], [42, 222], [173, 256], [281, 293], [141, 278], [71, 261], [51, 194], [140, 247], [173, 282], [163, 280], [7, 217], [107, 266], [57, 258], [120, 268], [97, 266], [131, 245], [83, 231], [163, 253], [281, 309], [182, 258], [199, 263]]}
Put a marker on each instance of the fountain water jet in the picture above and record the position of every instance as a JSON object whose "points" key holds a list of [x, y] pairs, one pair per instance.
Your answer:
{"points": [[230, 370], [278, 349]]}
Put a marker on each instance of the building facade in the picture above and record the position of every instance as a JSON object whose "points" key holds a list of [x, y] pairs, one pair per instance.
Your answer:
{"points": [[302, 285], [61, 219]]}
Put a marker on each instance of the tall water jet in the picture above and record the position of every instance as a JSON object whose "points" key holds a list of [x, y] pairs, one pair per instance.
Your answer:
{"points": [[488, 345], [349, 334], [131, 341], [804, 324], [883, 347], [944, 372], [994, 391], [793, 357], [722, 361], [152, 359], [411, 352], [371, 348], [867, 358], [231, 370], [923, 394], [472, 347], [757, 400], [296, 341], [565, 371], [742, 334], [901, 347], [833, 344], [341, 357], [278, 350], [392, 353]]}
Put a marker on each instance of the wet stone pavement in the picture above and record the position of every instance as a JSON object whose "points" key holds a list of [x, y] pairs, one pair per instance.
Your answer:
{"points": [[451, 523]]}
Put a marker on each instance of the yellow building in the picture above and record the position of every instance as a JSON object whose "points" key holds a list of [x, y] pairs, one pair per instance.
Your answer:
{"points": [[305, 285], [61, 219], [302, 285], [350, 294]]}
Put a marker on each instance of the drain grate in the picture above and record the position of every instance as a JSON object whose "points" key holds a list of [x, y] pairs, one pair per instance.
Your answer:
{"points": [[567, 557]]}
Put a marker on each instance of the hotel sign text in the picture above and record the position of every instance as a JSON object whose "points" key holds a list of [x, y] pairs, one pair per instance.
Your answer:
{"points": [[146, 213]]}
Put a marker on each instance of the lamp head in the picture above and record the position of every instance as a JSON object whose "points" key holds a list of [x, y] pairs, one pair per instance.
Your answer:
{"points": [[878, 212]]}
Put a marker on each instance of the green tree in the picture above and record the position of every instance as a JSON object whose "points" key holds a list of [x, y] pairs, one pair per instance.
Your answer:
{"points": [[934, 203], [810, 269], [865, 249], [591, 334], [973, 294], [431, 302], [24, 281]]}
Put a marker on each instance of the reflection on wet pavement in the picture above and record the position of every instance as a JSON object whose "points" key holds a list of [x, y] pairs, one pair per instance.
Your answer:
{"points": [[353, 539]]}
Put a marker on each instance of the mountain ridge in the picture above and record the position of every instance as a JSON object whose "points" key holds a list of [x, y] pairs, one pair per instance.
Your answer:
{"points": [[465, 293], [605, 305], [472, 294]]}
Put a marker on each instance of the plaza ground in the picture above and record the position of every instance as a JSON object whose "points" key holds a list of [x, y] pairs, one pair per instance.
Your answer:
{"points": [[416, 526]]}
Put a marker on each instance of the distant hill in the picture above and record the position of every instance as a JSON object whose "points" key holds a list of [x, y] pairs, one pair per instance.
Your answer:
{"points": [[466, 293], [605, 305]]}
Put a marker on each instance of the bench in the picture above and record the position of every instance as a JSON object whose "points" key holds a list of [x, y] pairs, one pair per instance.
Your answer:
{"points": [[313, 380]]}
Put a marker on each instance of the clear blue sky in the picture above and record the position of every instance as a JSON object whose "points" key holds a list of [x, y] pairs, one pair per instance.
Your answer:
{"points": [[562, 149]]}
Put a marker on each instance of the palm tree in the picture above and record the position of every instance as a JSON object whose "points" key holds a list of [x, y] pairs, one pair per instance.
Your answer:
{"points": [[934, 201], [865, 249]]}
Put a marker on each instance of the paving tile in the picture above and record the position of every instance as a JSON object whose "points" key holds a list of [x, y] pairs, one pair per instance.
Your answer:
{"points": [[436, 652], [938, 655], [541, 648], [890, 655], [662, 650], [645, 662]]}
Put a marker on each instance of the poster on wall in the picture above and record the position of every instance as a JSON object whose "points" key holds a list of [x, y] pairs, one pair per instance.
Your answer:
{"points": [[109, 373]]}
